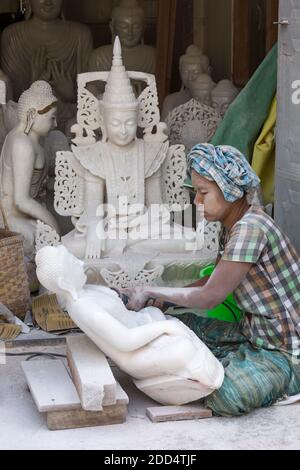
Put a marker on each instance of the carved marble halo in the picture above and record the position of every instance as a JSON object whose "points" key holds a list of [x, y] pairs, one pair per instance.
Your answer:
{"points": [[89, 116]]}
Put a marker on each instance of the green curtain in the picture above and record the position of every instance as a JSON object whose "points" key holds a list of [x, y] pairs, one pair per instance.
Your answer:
{"points": [[247, 114]]}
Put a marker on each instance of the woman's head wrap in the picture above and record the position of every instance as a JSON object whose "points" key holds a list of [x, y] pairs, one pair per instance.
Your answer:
{"points": [[225, 165]]}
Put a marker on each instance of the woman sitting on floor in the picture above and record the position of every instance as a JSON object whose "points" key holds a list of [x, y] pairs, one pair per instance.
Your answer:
{"points": [[257, 262]]}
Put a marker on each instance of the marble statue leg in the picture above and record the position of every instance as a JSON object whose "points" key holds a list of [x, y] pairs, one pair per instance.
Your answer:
{"points": [[171, 390], [75, 244]]}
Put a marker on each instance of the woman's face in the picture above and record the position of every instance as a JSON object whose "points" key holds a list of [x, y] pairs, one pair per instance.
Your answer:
{"points": [[46, 10], [209, 195]]}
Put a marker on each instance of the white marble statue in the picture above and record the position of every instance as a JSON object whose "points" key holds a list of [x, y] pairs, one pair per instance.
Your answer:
{"points": [[192, 123], [23, 168], [46, 47], [191, 65], [124, 172], [223, 95], [201, 89], [128, 23], [195, 121], [166, 360]]}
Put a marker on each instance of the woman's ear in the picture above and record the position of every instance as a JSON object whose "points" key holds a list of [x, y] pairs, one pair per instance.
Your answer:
{"points": [[67, 287], [30, 118]]}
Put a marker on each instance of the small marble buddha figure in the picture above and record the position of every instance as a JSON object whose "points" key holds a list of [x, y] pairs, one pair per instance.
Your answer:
{"points": [[165, 359], [223, 95], [196, 121], [124, 172], [23, 168], [191, 65], [201, 89], [46, 47], [128, 23]]}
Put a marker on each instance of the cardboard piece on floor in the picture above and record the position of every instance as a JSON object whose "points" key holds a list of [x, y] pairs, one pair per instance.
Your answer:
{"points": [[49, 316], [54, 392], [92, 375], [162, 414]]}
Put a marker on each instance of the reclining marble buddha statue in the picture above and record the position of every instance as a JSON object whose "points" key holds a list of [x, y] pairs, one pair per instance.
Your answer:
{"points": [[46, 47], [166, 360], [119, 180], [23, 166], [128, 23]]}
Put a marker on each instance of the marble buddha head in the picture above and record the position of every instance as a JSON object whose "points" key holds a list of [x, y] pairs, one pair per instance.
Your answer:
{"points": [[119, 107], [223, 95], [192, 64], [59, 271], [44, 10], [201, 89], [128, 22], [37, 108]]}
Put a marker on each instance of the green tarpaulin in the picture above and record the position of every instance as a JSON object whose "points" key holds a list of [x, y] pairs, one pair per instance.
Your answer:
{"points": [[248, 113]]}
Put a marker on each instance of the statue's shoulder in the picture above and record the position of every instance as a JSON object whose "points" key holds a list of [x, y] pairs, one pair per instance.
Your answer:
{"points": [[101, 58], [78, 27], [12, 31], [155, 155], [91, 158]]}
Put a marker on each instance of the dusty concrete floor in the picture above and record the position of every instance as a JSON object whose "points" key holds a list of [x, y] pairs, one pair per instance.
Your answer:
{"points": [[23, 427]]}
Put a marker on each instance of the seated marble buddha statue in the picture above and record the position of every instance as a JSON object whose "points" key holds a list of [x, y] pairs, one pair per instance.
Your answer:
{"points": [[192, 64], [166, 360], [46, 47], [128, 23], [123, 172], [23, 167]]}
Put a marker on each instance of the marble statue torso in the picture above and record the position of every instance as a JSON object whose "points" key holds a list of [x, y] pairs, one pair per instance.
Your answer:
{"points": [[65, 42], [140, 58], [124, 172]]}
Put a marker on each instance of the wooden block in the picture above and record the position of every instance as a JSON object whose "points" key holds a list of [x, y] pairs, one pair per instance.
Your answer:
{"points": [[58, 420], [51, 386], [162, 414], [92, 375]]}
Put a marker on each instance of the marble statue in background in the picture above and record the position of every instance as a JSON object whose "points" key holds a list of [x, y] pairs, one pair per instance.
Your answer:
{"points": [[46, 47], [128, 23], [191, 65], [123, 171], [166, 360], [223, 95], [201, 89], [23, 168]]}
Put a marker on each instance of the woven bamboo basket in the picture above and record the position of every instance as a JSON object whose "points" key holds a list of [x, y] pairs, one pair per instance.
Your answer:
{"points": [[14, 289]]}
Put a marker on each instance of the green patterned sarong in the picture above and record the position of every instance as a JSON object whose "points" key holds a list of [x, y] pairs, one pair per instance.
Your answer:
{"points": [[254, 378]]}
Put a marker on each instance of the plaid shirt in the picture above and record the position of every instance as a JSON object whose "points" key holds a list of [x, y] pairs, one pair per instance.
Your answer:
{"points": [[270, 293]]}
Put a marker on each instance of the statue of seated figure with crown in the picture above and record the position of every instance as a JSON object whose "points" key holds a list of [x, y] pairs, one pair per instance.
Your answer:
{"points": [[118, 190]]}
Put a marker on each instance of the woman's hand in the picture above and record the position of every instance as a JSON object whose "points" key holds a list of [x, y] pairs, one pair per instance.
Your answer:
{"points": [[137, 298]]}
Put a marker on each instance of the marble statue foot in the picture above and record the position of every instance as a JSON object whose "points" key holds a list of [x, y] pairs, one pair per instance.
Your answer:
{"points": [[172, 390]]}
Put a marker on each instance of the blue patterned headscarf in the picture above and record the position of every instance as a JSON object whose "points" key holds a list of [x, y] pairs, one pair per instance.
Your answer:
{"points": [[225, 165]]}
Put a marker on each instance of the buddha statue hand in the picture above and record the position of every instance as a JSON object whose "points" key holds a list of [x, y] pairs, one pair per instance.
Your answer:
{"points": [[95, 240], [62, 82], [40, 69]]}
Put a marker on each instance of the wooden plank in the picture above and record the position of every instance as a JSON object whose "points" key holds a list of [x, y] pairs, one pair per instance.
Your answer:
{"points": [[165, 46], [51, 386], [58, 420], [271, 28], [92, 375], [162, 414]]}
